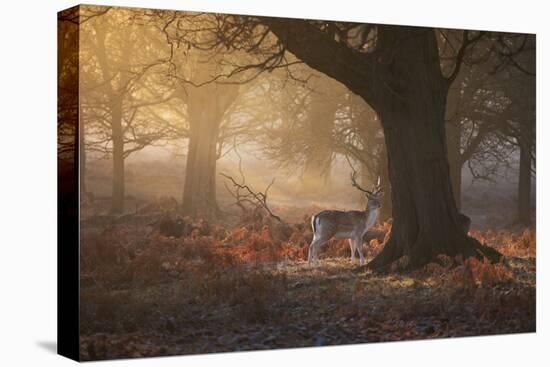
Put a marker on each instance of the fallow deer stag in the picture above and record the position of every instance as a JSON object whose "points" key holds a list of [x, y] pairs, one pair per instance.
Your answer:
{"points": [[351, 225]]}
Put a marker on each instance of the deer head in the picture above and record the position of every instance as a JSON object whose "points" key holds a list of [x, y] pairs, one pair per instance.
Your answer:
{"points": [[374, 196]]}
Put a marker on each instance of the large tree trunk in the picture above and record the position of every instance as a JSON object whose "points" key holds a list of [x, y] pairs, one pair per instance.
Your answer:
{"points": [[426, 220], [455, 98], [524, 184], [386, 209], [455, 161], [117, 204]]}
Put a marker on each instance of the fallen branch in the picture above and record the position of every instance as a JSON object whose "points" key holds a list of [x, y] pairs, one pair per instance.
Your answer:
{"points": [[257, 199]]}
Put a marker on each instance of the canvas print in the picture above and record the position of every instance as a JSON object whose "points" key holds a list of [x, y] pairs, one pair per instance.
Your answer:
{"points": [[234, 183]]}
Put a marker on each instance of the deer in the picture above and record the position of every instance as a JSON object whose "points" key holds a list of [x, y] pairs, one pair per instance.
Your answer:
{"points": [[351, 225]]}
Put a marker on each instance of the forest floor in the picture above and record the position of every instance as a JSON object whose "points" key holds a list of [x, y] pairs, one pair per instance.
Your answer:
{"points": [[249, 288]]}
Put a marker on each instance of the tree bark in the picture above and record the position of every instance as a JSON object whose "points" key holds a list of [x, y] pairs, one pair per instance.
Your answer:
{"points": [[455, 161], [199, 194], [117, 204], [524, 184], [386, 209], [425, 217]]}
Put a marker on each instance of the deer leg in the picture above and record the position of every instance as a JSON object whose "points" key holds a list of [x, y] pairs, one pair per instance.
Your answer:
{"points": [[359, 246], [310, 252], [313, 249], [352, 248], [316, 252], [320, 242]]}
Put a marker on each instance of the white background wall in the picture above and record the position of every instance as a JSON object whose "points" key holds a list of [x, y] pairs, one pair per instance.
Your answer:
{"points": [[28, 182]]}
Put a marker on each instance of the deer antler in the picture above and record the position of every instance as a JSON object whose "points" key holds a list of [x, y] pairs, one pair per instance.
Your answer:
{"points": [[356, 185], [376, 189]]}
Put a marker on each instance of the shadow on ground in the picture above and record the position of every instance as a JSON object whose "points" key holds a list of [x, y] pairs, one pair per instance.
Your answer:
{"points": [[50, 346]]}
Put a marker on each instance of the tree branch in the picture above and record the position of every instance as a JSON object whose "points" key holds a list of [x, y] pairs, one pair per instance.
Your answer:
{"points": [[466, 42], [257, 198], [317, 49]]}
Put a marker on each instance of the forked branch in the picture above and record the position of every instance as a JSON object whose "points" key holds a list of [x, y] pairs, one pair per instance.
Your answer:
{"points": [[243, 194], [461, 54]]}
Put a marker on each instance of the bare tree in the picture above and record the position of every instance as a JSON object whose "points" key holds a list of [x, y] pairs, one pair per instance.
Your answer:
{"points": [[120, 85], [490, 112]]}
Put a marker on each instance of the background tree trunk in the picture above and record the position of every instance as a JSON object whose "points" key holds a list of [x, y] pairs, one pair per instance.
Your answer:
{"points": [[117, 205], [524, 184], [207, 106], [199, 194]]}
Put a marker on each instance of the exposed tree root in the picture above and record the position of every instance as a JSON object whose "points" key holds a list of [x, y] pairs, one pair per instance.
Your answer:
{"points": [[394, 256]]}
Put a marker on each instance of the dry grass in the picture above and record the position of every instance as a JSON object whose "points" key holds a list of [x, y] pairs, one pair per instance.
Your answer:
{"points": [[519, 243], [143, 294]]}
